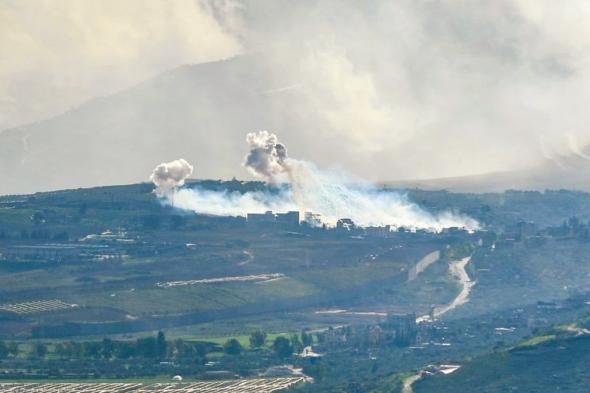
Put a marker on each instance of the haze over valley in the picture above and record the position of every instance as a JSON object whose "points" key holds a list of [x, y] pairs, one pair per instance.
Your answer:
{"points": [[463, 90], [235, 196]]}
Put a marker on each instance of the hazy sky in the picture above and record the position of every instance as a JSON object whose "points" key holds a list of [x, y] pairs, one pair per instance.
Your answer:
{"points": [[415, 88], [57, 54]]}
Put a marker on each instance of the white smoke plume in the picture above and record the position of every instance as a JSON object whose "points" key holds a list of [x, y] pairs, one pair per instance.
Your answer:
{"points": [[329, 194], [169, 175]]}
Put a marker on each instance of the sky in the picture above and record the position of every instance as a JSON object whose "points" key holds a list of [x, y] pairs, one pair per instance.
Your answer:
{"points": [[58, 54], [418, 89]]}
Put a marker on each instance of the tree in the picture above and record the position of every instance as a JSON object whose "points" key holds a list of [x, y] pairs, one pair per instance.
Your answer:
{"points": [[13, 349], [146, 347], [161, 345], [108, 348], [75, 349], [92, 349], [125, 350], [257, 339], [296, 344], [180, 348], [282, 347], [306, 338], [3, 349], [60, 351], [40, 350], [232, 347]]}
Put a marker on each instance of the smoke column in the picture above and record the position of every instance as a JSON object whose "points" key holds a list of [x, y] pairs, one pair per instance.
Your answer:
{"points": [[170, 175], [304, 187], [267, 157]]}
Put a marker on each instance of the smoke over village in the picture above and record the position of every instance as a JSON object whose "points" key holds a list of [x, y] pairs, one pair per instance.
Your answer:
{"points": [[278, 196], [323, 196]]}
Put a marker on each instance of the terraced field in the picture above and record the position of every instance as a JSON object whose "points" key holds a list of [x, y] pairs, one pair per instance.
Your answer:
{"points": [[261, 385], [36, 306], [70, 387]]}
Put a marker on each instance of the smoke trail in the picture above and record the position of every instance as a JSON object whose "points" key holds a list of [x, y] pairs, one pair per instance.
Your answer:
{"points": [[335, 196], [330, 194], [169, 175], [575, 147], [224, 203]]}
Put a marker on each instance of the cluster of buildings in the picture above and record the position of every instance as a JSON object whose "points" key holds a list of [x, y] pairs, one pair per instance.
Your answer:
{"points": [[293, 219], [529, 232], [397, 329], [314, 220]]}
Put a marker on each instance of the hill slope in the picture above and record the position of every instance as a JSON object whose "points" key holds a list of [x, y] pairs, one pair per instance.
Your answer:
{"points": [[553, 365], [568, 172], [199, 112], [202, 113]]}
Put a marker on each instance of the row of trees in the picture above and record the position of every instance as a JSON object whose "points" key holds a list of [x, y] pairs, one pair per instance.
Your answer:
{"points": [[157, 348], [36, 234], [8, 349], [281, 345]]}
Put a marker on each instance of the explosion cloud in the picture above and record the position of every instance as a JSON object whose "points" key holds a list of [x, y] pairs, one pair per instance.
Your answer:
{"points": [[307, 188], [267, 157], [169, 175]]}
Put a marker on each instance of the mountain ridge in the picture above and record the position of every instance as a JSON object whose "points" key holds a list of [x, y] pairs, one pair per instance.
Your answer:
{"points": [[201, 112]]}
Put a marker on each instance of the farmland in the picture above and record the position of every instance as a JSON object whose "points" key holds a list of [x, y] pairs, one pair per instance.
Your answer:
{"points": [[107, 285], [266, 385], [131, 264], [36, 306]]}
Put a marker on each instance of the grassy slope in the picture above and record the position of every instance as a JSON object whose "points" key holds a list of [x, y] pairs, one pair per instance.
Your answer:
{"points": [[542, 365], [524, 275]]}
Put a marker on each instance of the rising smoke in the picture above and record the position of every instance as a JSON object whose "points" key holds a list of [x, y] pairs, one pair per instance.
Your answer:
{"points": [[267, 157], [170, 175], [309, 189]]}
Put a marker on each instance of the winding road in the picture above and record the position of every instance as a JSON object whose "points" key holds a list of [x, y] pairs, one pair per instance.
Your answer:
{"points": [[457, 270]]}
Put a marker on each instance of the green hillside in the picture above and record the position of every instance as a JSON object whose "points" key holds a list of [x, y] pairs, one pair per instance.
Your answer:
{"points": [[112, 250], [545, 364]]}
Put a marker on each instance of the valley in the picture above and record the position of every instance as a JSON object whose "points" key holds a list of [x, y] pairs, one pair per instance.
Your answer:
{"points": [[100, 275]]}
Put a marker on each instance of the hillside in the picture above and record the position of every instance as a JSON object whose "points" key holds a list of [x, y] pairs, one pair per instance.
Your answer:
{"points": [[202, 113], [120, 138], [109, 249], [533, 367], [130, 264], [82, 267], [571, 172]]}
